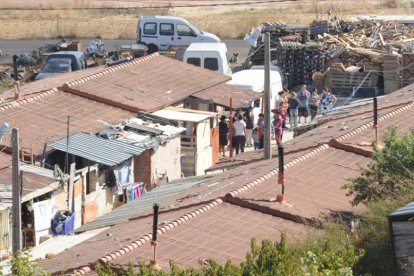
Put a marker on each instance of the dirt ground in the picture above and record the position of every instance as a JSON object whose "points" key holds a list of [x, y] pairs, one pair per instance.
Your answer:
{"points": [[107, 19]]}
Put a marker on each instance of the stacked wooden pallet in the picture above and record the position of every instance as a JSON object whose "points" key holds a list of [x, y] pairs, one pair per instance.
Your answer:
{"points": [[407, 69], [299, 61], [391, 72], [277, 31], [342, 82]]}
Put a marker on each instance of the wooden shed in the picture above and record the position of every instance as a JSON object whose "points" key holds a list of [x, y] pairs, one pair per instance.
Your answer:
{"points": [[401, 224], [199, 143]]}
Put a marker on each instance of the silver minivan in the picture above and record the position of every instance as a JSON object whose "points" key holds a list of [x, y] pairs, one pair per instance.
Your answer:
{"points": [[161, 32]]}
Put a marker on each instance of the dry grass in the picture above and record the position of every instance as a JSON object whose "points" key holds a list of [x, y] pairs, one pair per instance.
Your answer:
{"points": [[226, 22]]}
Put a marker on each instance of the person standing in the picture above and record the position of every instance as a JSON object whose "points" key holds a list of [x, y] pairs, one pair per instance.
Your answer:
{"points": [[293, 109], [223, 135], [328, 100], [239, 134], [277, 124], [314, 103], [260, 130], [249, 118], [303, 99]]}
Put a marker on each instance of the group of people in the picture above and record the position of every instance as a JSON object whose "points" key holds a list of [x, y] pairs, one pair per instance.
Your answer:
{"points": [[243, 125], [291, 105], [305, 103]]}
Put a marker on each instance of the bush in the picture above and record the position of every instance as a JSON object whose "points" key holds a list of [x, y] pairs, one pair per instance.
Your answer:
{"points": [[332, 255], [390, 174], [375, 237]]}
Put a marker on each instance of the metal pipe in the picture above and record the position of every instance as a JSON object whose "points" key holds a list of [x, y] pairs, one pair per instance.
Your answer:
{"points": [[375, 125], [16, 77], [280, 150], [267, 151], [156, 208], [16, 200], [231, 127], [375, 111]]}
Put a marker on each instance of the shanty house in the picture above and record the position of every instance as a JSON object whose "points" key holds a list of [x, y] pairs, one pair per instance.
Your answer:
{"points": [[199, 144], [43, 194]]}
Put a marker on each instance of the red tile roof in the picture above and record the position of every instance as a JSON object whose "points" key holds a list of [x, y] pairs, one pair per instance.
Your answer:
{"points": [[313, 187], [223, 233], [221, 94], [146, 84], [51, 82], [107, 242], [42, 118], [5, 160]]}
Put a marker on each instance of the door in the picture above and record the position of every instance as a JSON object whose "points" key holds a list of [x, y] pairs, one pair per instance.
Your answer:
{"points": [[185, 35], [166, 35], [149, 34]]}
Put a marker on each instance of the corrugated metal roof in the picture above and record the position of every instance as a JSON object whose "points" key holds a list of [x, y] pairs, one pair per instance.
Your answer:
{"points": [[134, 208], [100, 150], [407, 210]]}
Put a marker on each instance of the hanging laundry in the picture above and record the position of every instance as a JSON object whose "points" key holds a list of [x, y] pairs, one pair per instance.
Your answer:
{"points": [[122, 173]]}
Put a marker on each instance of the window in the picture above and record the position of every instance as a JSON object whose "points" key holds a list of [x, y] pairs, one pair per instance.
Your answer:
{"points": [[166, 29], [211, 64], [184, 30], [150, 28], [194, 61]]}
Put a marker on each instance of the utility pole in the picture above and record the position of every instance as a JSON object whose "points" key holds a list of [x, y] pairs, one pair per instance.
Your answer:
{"points": [[267, 150], [16, 201], [66, 170]]}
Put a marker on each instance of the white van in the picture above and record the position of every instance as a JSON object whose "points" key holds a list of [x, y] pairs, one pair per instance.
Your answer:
{"points": [[253, 79], [161, 32], [212, 56]]}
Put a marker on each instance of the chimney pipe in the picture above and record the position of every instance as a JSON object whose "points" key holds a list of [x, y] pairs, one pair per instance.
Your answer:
{"points": [[154, 243], [375, 125], [281, 176], [16, 80]]}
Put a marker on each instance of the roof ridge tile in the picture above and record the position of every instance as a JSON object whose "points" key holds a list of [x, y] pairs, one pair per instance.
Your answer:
{"points": [[370, 124], [27, 99], [146, 238], [111, 69], [273, 172]]}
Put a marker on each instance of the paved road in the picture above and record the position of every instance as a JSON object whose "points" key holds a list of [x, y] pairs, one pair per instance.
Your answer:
{"points": [[11, 47]]}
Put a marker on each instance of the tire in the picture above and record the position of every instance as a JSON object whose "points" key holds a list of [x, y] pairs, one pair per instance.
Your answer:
{"points": [[152, 48]]}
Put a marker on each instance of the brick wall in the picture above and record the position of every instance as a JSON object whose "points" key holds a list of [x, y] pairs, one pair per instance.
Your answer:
{"points": [[142, 168]]}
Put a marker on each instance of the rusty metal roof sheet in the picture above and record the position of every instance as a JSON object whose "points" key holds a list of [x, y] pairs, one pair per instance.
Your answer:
{"points": [[222, 93], [146, 84]]}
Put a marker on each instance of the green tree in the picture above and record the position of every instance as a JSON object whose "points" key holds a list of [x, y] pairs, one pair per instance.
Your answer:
{"points": [[391, 172]]}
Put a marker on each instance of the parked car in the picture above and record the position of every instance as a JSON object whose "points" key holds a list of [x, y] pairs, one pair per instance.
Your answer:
{"points": [[62, 62], [212, 56], [161, 32]]}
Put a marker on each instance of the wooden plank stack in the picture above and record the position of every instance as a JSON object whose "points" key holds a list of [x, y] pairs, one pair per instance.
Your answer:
{"points": [[343, 82], [407, 69], [391, 72]]}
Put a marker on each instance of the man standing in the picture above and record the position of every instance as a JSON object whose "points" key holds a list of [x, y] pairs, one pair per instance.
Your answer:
{"points": [[249, 118], [239, 134]]}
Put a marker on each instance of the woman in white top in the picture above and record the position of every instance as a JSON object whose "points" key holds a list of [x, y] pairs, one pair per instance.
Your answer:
{"points": [[239, 134]]}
